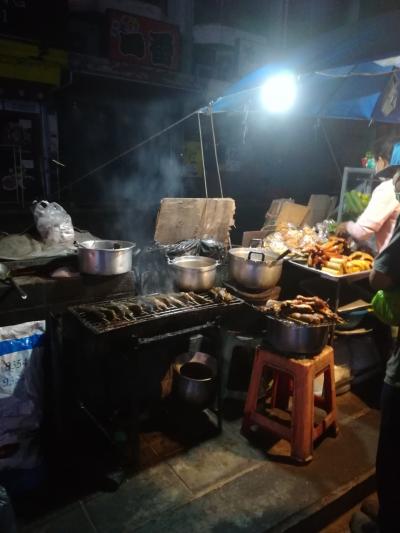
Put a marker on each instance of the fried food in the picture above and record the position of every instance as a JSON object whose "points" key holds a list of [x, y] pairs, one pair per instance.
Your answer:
{"points": [[306, 309]]}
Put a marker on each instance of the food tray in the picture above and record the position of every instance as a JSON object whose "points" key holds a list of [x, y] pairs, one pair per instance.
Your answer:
{"points": [[355, 276]]}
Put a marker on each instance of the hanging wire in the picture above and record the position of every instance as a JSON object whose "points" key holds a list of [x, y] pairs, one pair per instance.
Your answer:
{"points": [[330, 148], [115, 158], [245, 123], [216, 151], [126, 152], [202, 155]]}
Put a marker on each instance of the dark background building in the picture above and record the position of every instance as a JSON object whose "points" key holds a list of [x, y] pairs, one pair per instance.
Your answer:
{"points": [[83, 81]]}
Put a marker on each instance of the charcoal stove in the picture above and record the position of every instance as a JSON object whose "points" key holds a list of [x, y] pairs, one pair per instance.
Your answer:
{"points": [[156, 322], [120, 364]]}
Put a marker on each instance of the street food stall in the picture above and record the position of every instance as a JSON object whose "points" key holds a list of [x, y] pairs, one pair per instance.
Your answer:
{"points": [[128, 331]]}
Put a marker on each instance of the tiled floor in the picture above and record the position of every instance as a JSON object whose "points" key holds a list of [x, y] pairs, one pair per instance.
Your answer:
{"points": [[226, 484]]}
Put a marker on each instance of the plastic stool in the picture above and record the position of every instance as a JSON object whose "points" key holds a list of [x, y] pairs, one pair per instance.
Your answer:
{"points": [[231, 342], [293, 378]]}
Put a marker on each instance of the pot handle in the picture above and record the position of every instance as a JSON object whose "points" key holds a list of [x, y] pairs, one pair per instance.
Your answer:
{"points": [[257, 253]]}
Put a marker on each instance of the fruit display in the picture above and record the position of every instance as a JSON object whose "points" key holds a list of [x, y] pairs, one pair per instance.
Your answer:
{"points": [[355, 202], [334, 257]]}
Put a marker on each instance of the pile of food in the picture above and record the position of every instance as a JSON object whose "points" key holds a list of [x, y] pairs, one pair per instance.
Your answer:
{"points": [[334, 257], [304, 309], [289, 236], [115, 310]]}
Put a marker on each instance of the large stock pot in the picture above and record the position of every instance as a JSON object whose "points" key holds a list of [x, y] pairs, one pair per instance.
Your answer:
{"points": [[254, 268], [105, 258]]}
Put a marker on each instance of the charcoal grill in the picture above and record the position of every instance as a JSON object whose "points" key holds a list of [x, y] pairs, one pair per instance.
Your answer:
{"points": [[122, 362], [156, 322]]}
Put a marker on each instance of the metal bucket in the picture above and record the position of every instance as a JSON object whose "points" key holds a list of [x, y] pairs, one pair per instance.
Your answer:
{"points": [[194, 381]]}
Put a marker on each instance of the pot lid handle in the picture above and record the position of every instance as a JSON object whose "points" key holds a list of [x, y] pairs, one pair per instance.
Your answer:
{"points": [[257, 253]]}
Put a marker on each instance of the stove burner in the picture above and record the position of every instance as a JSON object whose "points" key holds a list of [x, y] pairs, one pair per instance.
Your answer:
{"points": [[102, 317]]}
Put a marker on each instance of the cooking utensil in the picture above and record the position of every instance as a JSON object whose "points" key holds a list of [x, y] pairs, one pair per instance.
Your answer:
{"points": [[194, 272], [5, 275], [194, 380], [294, 338], [280, 256], [252, 268], [105, 258]]}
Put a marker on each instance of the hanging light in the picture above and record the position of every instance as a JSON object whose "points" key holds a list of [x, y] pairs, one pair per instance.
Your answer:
{"points": [[278, 93]]}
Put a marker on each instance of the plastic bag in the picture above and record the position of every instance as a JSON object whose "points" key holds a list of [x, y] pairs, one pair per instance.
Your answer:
{"points": [[386, 306], [53, 223], [21, 393]]}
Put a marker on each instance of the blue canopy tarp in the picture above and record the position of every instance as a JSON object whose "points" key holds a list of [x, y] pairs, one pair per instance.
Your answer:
{"points": [[367, 89]]}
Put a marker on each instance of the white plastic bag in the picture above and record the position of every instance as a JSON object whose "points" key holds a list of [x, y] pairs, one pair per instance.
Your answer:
{"points": [[53, 223], [21, 392]]}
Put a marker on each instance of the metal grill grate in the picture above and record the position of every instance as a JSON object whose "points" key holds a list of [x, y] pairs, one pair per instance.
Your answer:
{"points": [[90, 315]]}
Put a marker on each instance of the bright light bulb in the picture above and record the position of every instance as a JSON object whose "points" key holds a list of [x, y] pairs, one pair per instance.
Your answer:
{"points": [[278, 93]]}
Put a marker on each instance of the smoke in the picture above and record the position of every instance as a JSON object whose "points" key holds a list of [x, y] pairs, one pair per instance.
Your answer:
{"points": [[135, 185]]}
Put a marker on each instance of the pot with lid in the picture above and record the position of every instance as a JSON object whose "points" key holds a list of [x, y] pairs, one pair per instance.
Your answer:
{"points": [[194, 272], [254, 268]]}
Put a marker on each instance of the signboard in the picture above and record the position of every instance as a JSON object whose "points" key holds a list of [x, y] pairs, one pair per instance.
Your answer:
{"points": [[143, 41]]}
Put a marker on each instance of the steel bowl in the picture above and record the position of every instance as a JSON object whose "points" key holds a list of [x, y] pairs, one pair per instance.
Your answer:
{"points": [[194, 272], [289, 337], [250, 267], [105, 258]]}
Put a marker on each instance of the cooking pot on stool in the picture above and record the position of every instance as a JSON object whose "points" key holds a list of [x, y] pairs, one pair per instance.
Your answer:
{"points": [[290, 337], [251, 268]]}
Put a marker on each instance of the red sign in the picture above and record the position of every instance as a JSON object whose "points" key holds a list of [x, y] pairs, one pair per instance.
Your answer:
{"points": [[143, 41]]}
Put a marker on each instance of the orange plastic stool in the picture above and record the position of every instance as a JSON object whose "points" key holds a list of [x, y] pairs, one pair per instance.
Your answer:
{"points": [[293, 378]]}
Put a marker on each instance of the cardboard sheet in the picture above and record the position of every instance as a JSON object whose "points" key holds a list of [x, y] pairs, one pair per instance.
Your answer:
{"points": [[292, 213], [194, 218], [321, 207]]}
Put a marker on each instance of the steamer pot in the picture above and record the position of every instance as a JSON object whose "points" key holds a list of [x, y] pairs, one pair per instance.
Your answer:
{"points": [[250, 268], [105, 258], [194, 272]]}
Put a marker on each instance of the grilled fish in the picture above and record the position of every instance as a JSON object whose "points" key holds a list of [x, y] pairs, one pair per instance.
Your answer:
{"points": [[187, 297], [175, 301], [160, 305], [221, 294], [94, 312]]}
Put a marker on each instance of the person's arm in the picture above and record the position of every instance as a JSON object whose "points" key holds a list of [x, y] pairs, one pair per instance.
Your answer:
{"points": [[386, 269], [382, 204], [379, 280]]}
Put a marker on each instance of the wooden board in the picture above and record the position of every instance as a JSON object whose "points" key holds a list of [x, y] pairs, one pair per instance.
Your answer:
{"points": [[292, 213], [248, 236], [194, 218]]}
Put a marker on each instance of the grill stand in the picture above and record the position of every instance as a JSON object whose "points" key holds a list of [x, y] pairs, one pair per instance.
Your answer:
{"points": [[74, 405]]}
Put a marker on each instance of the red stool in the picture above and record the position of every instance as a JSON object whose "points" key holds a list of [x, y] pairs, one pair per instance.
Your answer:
{"points": [[293, 378]]}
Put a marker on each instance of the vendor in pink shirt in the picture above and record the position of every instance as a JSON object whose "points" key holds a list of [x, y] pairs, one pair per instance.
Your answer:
{"points": [[380, 215]]}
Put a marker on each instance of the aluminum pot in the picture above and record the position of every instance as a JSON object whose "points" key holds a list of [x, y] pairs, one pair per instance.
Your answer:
{"points": [[194, 381], [293, 338], [194, 272], [249, 267], [105, 258]]}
